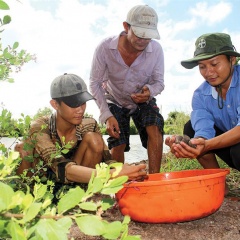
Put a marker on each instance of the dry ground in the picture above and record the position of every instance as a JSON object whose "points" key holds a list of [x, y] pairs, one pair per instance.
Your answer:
{"points": [[221, 225]]}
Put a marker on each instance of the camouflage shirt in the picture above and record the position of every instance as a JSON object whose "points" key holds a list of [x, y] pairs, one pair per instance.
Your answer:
{"points": [[44, 137]]}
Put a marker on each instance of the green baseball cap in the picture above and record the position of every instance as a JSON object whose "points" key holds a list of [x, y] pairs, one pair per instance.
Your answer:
{"points": [[210, 45], [71, 89]]}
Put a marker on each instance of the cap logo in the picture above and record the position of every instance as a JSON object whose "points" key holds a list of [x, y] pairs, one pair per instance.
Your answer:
{"points": [[79, 86], [202, 43], [147, 20]]}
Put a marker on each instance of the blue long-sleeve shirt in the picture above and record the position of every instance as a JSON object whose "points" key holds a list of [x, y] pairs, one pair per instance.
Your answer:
{"points": [[206, 112]]}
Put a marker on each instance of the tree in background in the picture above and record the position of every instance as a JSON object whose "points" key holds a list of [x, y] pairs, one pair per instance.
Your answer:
{"points": [[43, 112], [175, 122], [133, 129], [11, 59]]}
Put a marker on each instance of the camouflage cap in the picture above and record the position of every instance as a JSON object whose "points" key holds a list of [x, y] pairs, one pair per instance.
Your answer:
{"points": [[210, 45]]}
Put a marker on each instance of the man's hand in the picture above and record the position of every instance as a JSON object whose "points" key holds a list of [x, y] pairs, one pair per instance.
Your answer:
{"points": [[112, 127], [182, 149], [134, 172], [141, 97]]}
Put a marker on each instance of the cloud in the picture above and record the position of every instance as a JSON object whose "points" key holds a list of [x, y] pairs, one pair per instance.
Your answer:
{"points": [[64, 34], [211, 14]]}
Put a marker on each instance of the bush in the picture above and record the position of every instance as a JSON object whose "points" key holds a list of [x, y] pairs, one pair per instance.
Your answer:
{"points": [[175, 122]]}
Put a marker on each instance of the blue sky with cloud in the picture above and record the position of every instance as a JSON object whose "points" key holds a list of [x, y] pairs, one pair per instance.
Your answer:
{"points": [[64, 33]]}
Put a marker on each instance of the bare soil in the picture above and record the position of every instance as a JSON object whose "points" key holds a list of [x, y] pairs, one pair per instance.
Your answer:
{"points": [[224, 224]]}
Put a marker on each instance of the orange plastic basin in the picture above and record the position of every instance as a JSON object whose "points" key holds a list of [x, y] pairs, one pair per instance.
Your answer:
{"points": [[173, 197]]}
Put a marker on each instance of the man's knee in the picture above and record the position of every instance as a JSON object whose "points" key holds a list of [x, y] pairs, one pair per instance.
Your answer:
{"points": [[94, 140]]}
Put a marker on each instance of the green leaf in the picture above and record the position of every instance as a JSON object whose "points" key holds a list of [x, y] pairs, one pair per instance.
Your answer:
{"points": [[90, 206], [39, 191], [6, 19], [15, 45], [65, 223], [126, 220], [5, 196], [32, 212], [10, 80], [7, 54], [70, 199], [53, 230], [3, 5], [17, 199], [2, 226], [47, 201], [15, 231], [107, 203], [118, 168], [113, 230], [27, 201], [91, 225], [65, 151], [109, 191], [97, 185], [119, 181]]}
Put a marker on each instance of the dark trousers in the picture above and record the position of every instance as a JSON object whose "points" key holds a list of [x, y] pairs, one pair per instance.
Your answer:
{"points": [[230, 155]]}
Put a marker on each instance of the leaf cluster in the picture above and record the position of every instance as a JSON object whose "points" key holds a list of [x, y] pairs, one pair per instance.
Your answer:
{"points": [[175, 122], [32, 214], [11, 59], [10, 127], [133, 129]]}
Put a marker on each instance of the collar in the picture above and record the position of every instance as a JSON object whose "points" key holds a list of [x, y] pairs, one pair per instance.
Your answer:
{"points": [[114, 43], [53, 128], [233, 84]]}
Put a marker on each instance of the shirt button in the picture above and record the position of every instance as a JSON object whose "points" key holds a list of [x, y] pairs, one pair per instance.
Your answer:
{"points": [[228, 106]]}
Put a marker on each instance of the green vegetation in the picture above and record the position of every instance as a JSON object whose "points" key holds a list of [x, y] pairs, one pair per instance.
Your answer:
{"points": [[32, 214], [175, 122], [29, 208], [172, 125], [133, 129]]}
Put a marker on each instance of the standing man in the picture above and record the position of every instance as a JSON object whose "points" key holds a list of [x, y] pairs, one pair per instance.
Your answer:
{"points": [[215, 118], [67, 125], [127, 73]]}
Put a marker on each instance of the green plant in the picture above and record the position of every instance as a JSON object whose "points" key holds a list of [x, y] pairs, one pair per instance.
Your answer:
{"points": [[175, 122], [32, 215], [10, 57], [28, 207], [171, 163], [133, 129], [43, 112], [29, 212], [11, 127]]}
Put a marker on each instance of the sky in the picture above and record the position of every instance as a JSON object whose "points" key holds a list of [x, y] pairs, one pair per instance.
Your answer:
{"points": [[63, 35]]}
